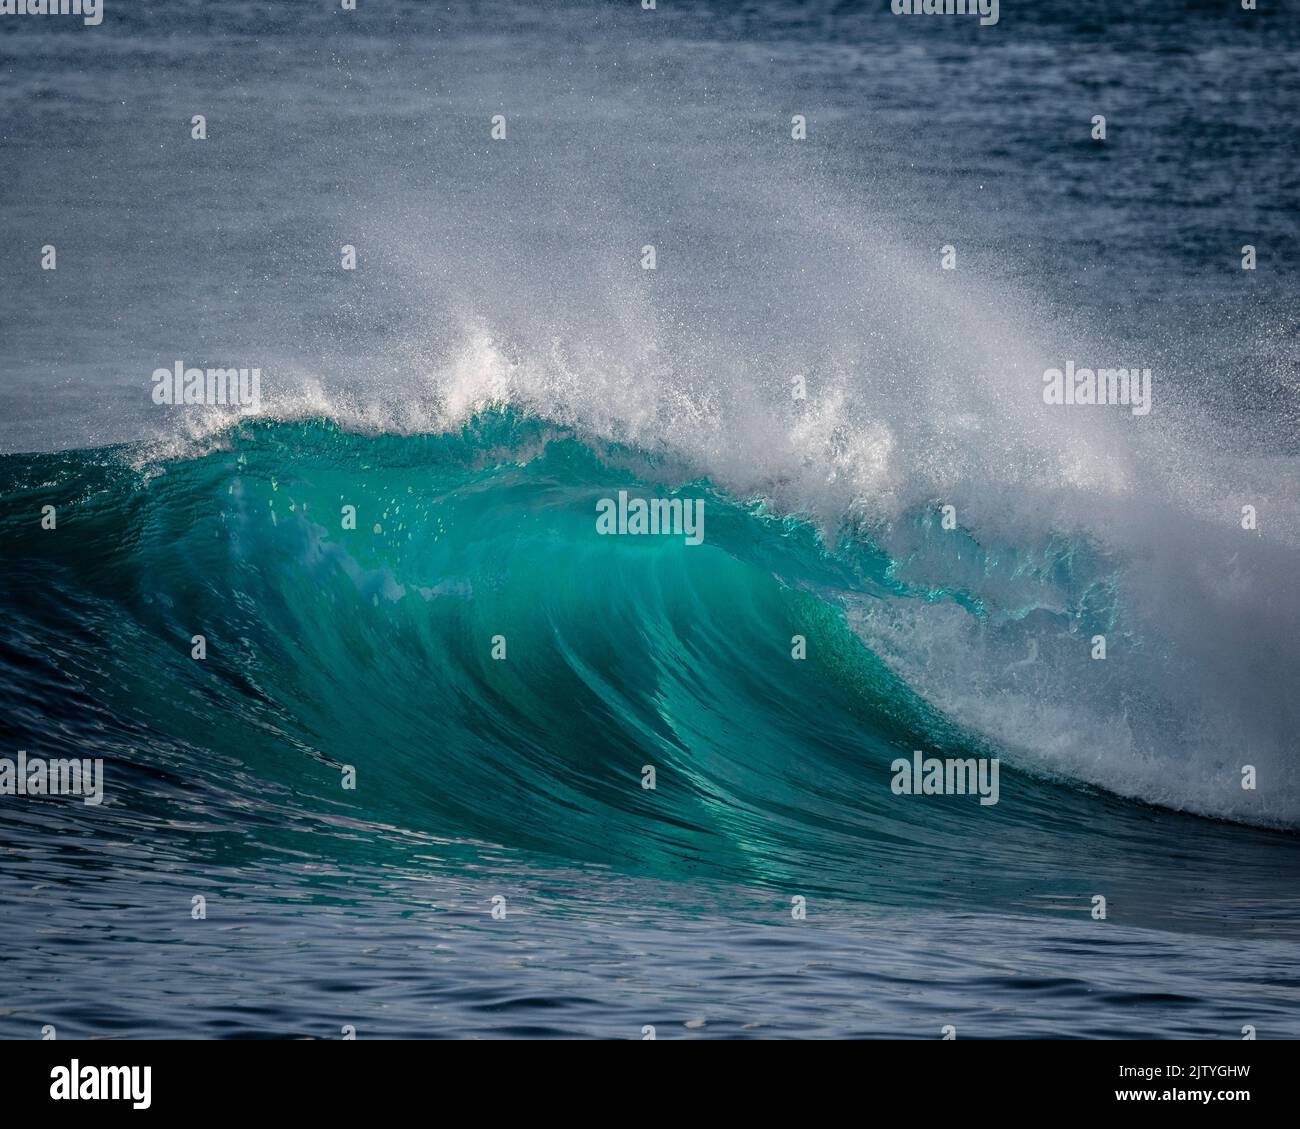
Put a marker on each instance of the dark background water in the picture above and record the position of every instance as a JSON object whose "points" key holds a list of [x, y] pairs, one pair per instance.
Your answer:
{"points": [[625, 127]]}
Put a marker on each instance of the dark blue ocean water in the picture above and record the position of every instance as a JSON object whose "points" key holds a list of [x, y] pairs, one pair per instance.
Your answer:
{"points": [[498, 364]]}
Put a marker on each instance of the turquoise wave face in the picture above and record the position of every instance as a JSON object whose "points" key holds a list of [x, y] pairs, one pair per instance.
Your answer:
{"points": [[437, 619]]}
